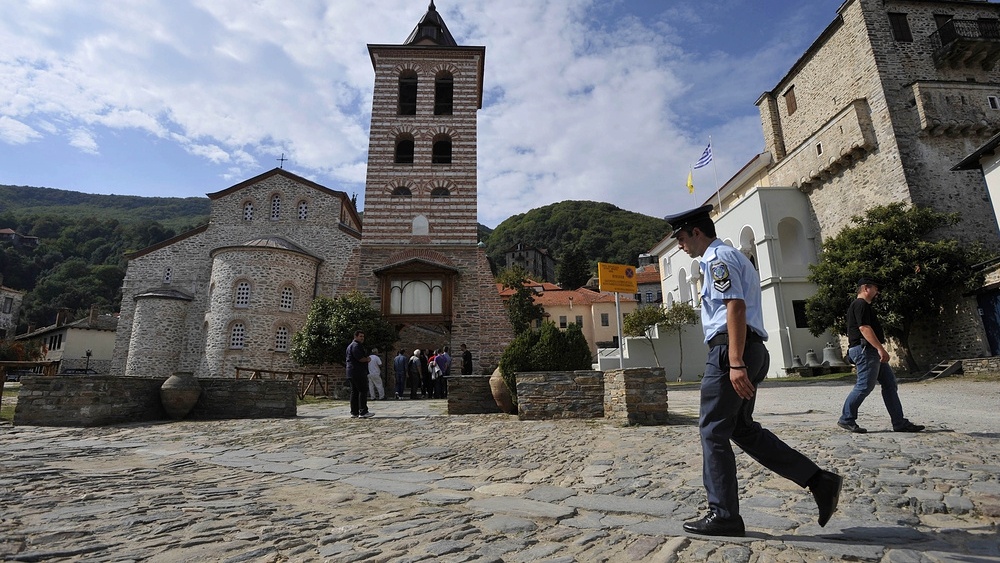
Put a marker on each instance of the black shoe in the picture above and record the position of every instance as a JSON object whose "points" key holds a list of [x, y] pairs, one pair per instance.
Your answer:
{"points": [[714, 525], [910, 427], [825, 488], [852, 427]]}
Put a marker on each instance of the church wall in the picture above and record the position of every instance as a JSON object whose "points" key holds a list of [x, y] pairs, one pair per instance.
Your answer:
{"points": [[190, 265]]}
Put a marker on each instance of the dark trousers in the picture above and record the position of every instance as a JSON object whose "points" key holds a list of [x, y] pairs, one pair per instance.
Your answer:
{"points": [[724, 417], [359, 394]]}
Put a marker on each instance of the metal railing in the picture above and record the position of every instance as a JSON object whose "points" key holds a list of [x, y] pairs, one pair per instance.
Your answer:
{"points": [[966, 29]]}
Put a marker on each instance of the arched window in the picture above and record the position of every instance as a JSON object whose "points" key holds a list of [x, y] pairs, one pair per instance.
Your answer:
{"points": [[237, 335], [683, 286], [444, 93], [281, 339], [241, 298], [416, 297], [404, 150], [168, 274], [440, 192], [748, 245], [402, 191], [287, 296], [408, 93], [275, 207], [792, 241], [303, 209], [248, 211], [442, 150], [421, 225]]}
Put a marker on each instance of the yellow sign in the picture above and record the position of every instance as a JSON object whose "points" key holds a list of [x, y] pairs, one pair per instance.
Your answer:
{"points": [[617, 277]]}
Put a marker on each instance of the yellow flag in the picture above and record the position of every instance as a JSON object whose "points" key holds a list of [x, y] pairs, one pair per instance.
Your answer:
{"points": [[690, 183]]}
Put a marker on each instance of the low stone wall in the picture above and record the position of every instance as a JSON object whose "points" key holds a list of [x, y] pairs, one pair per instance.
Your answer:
{"points": [[99, 400], [982, 367], [470, 394], [560, 394], [225, 398], [635, 396]]}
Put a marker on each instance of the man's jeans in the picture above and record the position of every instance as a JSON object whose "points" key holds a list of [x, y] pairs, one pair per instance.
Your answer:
{"points": [[870, 372]]}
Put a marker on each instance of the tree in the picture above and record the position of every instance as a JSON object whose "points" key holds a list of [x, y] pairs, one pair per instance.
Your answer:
{"points": [[521, 307], [330, 327], [918, 276], [574, 270], [679, 315], [640, 322]]}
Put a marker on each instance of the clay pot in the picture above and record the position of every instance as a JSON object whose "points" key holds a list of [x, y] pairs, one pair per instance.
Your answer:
{"points": [[501, 394], [179, 394]]}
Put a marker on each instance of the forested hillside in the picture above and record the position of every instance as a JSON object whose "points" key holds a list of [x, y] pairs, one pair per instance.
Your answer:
{"points": [[82, 242], [600, 232], [172, 212]]}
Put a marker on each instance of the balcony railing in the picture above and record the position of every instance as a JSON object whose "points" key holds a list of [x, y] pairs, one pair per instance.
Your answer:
{"points": [[965, 43]]}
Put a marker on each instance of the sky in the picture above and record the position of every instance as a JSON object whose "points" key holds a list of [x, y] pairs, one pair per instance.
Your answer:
{"points": [[600, 100]]}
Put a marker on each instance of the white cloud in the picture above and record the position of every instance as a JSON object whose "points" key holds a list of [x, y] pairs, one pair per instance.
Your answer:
{"points": [[83, 140], [14, 132]]}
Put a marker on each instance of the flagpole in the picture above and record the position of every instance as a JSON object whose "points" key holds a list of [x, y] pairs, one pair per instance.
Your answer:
{"points": [[715, 171]]}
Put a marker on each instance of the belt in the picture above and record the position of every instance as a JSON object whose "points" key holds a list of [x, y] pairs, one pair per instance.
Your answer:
{"points": [[723, 338]]}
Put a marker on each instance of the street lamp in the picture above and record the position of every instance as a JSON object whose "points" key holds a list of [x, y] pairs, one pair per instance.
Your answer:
{"points": [[88, 353]]}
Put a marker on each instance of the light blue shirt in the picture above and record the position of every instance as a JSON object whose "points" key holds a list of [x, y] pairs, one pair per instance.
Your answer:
{"points": [[728, 274]]}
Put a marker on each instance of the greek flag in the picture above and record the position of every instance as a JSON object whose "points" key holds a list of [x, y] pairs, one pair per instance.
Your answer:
{"points": [[706, 157]]}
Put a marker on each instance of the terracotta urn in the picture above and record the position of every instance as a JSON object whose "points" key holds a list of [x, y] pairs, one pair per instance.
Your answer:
{"points": [[179, 393], [501, 394]]}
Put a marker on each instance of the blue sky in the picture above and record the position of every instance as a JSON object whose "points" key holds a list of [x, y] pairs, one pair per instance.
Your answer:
{"points": [[603, 100]]}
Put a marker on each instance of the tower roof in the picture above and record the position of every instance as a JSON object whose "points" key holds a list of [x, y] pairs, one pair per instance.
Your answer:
{"points": [[431, 30]]}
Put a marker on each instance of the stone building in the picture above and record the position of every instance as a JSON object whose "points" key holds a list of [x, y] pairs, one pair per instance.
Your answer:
{"points": [[539, 264], [419, 259], [233, 292], [879, 108], [10, 309]]}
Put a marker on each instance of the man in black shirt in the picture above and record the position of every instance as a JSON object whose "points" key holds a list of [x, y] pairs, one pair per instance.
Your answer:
{"points": [[864, 338]]}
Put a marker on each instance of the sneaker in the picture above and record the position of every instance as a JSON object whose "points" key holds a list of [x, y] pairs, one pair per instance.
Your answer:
{"points": [[354, 416], [368, 414]]}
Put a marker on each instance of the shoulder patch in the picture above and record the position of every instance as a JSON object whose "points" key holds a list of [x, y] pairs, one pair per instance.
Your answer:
{"points": [[720, 276]]}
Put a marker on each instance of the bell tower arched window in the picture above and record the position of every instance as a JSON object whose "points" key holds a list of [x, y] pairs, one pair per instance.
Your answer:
{"points": [[408, 93], [442, 150], [404, 150], [444, 94]]}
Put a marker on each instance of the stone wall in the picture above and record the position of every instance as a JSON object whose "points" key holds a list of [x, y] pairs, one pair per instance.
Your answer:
{"points": [[471, 394], [635, 395], [982, 367], [561, 394], [104, 400]]}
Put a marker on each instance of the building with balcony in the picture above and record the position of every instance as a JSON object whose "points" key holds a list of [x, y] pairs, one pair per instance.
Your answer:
{"points": [[878, 110]]}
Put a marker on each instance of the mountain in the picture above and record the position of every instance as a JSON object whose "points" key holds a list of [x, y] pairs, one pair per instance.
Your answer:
{"points": [[171, 212], [599, 231]]}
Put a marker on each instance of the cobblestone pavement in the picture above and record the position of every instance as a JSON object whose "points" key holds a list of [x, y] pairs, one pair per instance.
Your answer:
{"points": [[414, 484]]}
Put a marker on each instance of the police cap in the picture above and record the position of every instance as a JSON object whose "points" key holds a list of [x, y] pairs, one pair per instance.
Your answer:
{"points": [[688, 218]]}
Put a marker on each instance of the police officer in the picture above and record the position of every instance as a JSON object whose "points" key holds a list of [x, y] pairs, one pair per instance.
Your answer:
{"points": [[737, 362]]}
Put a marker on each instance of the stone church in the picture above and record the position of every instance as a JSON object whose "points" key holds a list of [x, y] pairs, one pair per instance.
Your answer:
{"points": [[232, 293]]}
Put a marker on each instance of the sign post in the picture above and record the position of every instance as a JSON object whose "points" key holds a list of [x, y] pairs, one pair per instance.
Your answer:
{"points": [[619, 278]]}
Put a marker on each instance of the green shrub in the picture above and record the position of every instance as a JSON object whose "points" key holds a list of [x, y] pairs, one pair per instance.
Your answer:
{"points": [[548, 349]]}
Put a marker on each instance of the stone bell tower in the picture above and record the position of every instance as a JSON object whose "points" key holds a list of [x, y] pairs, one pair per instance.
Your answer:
{"points": [[419, 258]]}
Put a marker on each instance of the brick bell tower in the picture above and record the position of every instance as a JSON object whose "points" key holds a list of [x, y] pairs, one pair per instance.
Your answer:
{"points": [[419, 258]]}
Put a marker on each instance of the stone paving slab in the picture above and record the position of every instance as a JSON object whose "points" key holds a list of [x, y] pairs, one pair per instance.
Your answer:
{"points": [[414, 484]]}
